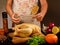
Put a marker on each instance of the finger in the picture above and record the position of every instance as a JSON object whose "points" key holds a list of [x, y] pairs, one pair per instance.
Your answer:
{"points": [[41, 19], [15, 21], [34, 16], [15, 17], [38, 18]]}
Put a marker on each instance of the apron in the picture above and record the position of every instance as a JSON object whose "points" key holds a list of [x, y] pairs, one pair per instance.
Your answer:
{"points": [[24, 9]]}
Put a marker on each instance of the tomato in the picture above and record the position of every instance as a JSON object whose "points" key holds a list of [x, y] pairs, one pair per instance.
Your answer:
{"points": [[51, 38]]}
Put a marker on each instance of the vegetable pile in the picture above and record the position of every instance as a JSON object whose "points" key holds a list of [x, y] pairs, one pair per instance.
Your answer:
{"points": [[36, 40]]}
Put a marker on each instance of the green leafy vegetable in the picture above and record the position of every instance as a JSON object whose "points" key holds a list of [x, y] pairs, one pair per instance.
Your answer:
{"points": [[36, 40]]}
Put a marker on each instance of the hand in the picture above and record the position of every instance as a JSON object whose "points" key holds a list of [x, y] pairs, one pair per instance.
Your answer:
{"points": [[39, 17], [15, 18]]}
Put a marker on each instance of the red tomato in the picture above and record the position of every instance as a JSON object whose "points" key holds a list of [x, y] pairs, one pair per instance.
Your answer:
{"points": [[51, 38]]}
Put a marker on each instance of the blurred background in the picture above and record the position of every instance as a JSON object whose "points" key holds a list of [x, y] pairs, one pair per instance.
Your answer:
{"points": [[52, 15], [2, 9]]}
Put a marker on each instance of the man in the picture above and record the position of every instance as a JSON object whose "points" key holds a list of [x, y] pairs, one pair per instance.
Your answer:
{"points": [[20, 10]]}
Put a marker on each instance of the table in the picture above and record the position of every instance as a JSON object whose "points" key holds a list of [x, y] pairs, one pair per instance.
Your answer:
{"points": [[8, 41]]}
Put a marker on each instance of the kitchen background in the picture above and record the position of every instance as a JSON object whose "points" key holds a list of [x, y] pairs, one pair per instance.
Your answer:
{"points": [[52, 15], [2, 9]]}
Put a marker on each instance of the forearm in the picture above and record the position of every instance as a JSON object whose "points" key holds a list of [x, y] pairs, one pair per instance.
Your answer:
{"points": [[44, 7], [9, 10], [9, 7]]}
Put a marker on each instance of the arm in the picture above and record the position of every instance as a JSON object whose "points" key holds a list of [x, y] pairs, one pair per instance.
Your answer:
{"points": [[44, 7], [9, 7], [43, 11], [15, 18]]}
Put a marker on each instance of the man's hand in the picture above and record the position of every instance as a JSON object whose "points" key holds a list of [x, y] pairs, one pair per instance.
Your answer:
{"points": [[15, 18], [39, 17]]}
